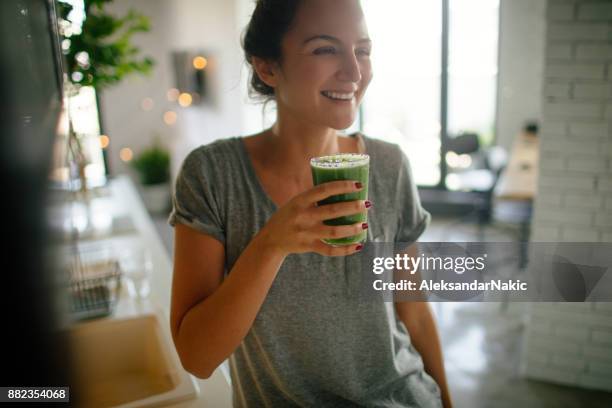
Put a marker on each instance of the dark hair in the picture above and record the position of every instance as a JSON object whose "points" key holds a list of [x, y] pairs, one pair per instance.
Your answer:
{"points": [[262, 38]]}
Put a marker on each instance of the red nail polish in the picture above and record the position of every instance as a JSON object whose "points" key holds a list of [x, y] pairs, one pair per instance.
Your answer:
{"points": [[368, 204], [359, 247], [364, 225], [358, 185]]}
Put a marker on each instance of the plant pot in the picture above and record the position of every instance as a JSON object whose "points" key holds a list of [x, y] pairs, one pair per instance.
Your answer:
{"points": [[156, 197]]}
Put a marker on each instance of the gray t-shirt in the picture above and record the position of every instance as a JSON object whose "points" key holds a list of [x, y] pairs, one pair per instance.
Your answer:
{"points": [[312, 344]]}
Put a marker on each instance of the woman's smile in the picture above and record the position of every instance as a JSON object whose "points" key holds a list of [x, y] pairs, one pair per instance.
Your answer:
{"points": [[339, 97]]}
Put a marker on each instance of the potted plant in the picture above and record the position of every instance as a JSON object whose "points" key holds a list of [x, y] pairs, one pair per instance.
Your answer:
{"points": [[153, 167], [99, 53]]}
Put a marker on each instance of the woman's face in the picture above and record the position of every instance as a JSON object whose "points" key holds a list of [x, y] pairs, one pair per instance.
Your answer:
{"points": [[326, 66]]}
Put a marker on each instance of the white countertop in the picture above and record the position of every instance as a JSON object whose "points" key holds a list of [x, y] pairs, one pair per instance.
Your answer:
{"points": [[123, 201]]}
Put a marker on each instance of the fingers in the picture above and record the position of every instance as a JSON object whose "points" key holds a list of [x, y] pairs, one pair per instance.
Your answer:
{"points": [[331, 188], [327, 250], [329, 211], [340, 231]]}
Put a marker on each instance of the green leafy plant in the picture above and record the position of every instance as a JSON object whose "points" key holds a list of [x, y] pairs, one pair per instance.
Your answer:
{"points": [[153, 165], [100, 53]]}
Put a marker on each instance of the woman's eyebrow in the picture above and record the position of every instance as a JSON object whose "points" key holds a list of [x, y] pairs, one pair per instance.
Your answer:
{"points": [[331, 38]]}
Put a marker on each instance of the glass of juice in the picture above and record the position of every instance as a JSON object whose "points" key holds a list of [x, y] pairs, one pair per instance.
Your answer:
{"points": [[344, 166]]}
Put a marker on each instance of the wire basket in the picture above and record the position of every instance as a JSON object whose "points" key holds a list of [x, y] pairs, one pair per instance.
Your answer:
{"points": [[94, 285]]}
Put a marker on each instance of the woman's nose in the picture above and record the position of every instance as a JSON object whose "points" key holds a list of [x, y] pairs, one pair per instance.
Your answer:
{"points": [[351, 71]]}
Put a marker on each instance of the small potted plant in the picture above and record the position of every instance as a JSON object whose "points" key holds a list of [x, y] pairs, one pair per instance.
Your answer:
{"points": [[153, 168]]}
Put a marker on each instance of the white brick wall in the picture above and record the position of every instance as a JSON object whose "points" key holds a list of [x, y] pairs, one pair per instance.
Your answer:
{"points": [[577, 31], [575, 70], [560, 12], [595, 11], [559, 51], [597, 90], [571, 343], [596, 52], [597, 129], [557, 90]]}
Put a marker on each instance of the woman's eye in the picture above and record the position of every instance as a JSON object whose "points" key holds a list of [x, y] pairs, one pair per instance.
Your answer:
{"points": [[364, 52], [325, 50]]}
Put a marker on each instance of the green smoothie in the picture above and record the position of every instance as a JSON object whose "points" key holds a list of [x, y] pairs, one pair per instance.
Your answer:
{"points": [[345, 166]]}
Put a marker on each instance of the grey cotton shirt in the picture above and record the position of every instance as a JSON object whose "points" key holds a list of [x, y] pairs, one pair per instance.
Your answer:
{"points": [[312, 344]]}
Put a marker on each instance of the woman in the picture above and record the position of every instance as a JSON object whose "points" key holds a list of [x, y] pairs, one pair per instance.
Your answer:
{"points": [[252, 279]]}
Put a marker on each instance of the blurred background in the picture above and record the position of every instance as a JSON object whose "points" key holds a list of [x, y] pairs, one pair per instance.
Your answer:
{"points": [[504, 108]]}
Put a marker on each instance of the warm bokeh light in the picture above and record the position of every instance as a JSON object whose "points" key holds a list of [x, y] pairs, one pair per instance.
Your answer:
{"points": [[104, 141], [172, 94], [126, 154], [147, 104], [200, 62], [170, 117], [76, 76], [185, 100], [455, 160]]}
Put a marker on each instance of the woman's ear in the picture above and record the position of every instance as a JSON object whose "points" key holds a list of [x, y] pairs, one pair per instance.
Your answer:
{"points": [[266, 70]]}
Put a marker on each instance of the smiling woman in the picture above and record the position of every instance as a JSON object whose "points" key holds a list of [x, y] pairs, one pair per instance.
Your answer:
{"points": [[253, 279], [323, 58]]}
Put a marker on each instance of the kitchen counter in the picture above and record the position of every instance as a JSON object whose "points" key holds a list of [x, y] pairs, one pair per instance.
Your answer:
{"points": [[124, 202]]}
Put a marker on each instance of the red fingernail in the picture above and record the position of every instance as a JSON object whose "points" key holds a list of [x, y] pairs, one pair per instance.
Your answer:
{"points": [[368, 204], [358, 247], [358, 185], [364, 225]]}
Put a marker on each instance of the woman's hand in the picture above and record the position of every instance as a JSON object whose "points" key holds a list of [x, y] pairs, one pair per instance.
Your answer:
{"points": [[298, 227]]}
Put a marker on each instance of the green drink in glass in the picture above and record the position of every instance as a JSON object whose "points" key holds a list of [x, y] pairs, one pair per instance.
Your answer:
{"points": [[345, 166]]}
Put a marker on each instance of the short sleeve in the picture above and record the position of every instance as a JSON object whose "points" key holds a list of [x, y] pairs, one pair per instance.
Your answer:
{"points": [[413, 218], [193, 201]]}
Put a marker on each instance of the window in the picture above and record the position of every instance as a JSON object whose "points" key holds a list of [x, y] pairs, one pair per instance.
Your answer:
{"points": [[472, 71], [404, 102]]}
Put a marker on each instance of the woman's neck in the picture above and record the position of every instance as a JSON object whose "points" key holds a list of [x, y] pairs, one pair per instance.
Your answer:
{"points": [[291, 142], [296, 142]]}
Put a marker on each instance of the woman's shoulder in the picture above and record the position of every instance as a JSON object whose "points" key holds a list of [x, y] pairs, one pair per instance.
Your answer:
{"points": [[382, 153], [213, 149], [213, 162], [217, 153]]}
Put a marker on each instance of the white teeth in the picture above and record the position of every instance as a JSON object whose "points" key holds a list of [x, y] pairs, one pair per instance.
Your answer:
{"points": [[341, 96]]}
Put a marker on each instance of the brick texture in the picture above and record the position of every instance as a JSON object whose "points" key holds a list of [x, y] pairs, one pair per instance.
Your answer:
{"points": [[570, 343]]}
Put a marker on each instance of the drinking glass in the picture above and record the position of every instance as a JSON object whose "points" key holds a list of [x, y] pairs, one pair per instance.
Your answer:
{"points": [[345, 166], [137, 267]]}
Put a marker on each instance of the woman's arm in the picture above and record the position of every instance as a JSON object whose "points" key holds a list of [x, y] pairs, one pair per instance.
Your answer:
{"points": [[424, 336], [210, 316], [419, 321]]}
